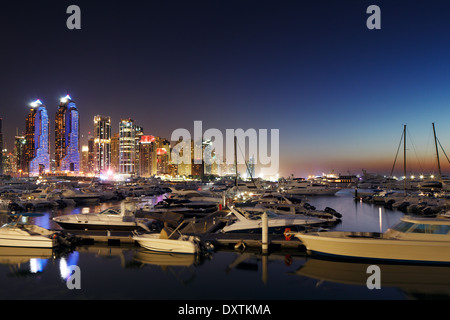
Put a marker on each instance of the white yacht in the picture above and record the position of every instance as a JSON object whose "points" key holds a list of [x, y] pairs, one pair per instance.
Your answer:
{"points": [[304, 187], [277, 223], [412, 239], [169, 242], [121, 219], [26, 235]]}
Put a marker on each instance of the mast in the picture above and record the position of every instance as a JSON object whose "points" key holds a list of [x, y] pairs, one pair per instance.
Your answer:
{"points": [[235, 161], [437, 153], [404, 155]]}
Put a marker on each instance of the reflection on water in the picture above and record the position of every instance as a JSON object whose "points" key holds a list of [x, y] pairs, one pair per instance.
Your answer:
{"points": [[416, 281], [129, 272]]}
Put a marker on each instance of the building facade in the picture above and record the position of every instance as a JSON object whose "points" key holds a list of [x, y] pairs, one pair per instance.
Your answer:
{"points": [[67, 133], [19, 154], [127, 147], [102, 144], [37, 153]]}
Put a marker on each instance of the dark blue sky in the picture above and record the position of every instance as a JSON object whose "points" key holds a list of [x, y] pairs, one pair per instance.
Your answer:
{"points": [[338, 92]]}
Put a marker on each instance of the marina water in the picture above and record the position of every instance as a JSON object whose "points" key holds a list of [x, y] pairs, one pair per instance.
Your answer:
{"points": [[129, 272]]}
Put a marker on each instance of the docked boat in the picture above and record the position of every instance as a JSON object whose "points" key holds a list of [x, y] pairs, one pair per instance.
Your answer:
{"points": [[81, 196], [307, 188], [26, 235], [122, 219], [411, 240], [251, 222], [166, 241]]}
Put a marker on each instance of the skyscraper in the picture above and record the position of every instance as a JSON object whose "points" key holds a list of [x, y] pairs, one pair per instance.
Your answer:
{"points": [[1, 147], [127, 146], [67, 132], [147, 154], [20, 143], [102, 144], [115, 152], [37, 153]]}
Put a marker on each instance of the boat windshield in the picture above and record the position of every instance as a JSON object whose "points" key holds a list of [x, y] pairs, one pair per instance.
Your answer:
{"points": [[110, 212], [410, 227]]}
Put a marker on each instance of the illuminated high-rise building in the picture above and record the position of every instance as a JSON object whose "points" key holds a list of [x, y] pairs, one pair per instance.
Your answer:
{"points": [[19, 153], [1, 147], [67, 132], [162, 155], [115, 152], [127, 147], [37, 155], [138, 133], [147, 154], [102, 144]]}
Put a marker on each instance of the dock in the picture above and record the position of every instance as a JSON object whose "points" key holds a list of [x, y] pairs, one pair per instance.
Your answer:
{"points": [[220, 240], [206, 228]]}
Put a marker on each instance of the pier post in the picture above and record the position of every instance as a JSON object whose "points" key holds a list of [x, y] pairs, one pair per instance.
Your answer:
{"points": [[265, 233]]}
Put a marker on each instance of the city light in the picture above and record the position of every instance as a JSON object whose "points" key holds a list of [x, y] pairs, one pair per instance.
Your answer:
{"points": [[36, 103], [65, 99]]}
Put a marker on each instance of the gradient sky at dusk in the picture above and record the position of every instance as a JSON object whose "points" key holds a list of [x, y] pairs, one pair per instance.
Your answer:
{"points": [[338, 92]]}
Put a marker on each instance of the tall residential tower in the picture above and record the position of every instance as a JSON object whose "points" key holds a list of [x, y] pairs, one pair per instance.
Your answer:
{"points": [[67, 133], [102, 144], [37, 153]]}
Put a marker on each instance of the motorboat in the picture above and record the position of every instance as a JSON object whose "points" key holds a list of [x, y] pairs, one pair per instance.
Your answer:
{"points": [[413, 239], [16, 234], [168, 241], [304, 187], [122, 219], [81, 196], [251, 222], [288, 205]]}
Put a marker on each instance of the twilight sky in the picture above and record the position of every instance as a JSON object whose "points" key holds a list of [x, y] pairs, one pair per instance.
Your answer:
{"points": [[338, 92]]}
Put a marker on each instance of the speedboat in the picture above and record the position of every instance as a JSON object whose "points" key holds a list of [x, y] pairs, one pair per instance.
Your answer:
{"points": [[26, 235], [251, 222], [169, 242], [108, 219], [413, 239]]}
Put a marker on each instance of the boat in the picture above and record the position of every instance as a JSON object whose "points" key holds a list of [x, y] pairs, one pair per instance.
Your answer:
{"points": [[413, 239], [122, 219], [81, 196], [251, 222], [167, 241], [16, 234], [298, 186]]}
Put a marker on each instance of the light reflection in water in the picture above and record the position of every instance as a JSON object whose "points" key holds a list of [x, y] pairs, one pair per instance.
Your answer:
{"points": [[37, 265], [64, 264]]}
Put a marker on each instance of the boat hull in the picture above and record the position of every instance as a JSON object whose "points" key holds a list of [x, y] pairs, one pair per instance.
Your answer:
{"points": [[130, 226], [153, 242], [271, 230], [376, 248], [27, 242]]}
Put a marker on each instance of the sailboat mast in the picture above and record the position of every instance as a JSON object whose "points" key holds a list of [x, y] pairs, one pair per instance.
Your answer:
{"points": [[235, 161], [404, 156], [437, 152]]}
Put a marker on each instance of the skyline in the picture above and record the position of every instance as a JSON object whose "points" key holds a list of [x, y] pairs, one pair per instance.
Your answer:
{"points": [[338, 93]]}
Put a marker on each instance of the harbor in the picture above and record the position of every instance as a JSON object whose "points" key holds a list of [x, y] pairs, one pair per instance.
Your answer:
{"points": [[269, 259]]}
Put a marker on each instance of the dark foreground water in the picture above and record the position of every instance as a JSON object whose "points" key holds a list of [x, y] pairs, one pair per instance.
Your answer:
{"points": [[128, 272]]}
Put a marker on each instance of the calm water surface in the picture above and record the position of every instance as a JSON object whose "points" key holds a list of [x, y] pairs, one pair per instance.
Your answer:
{"points": [[128, 272]]}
